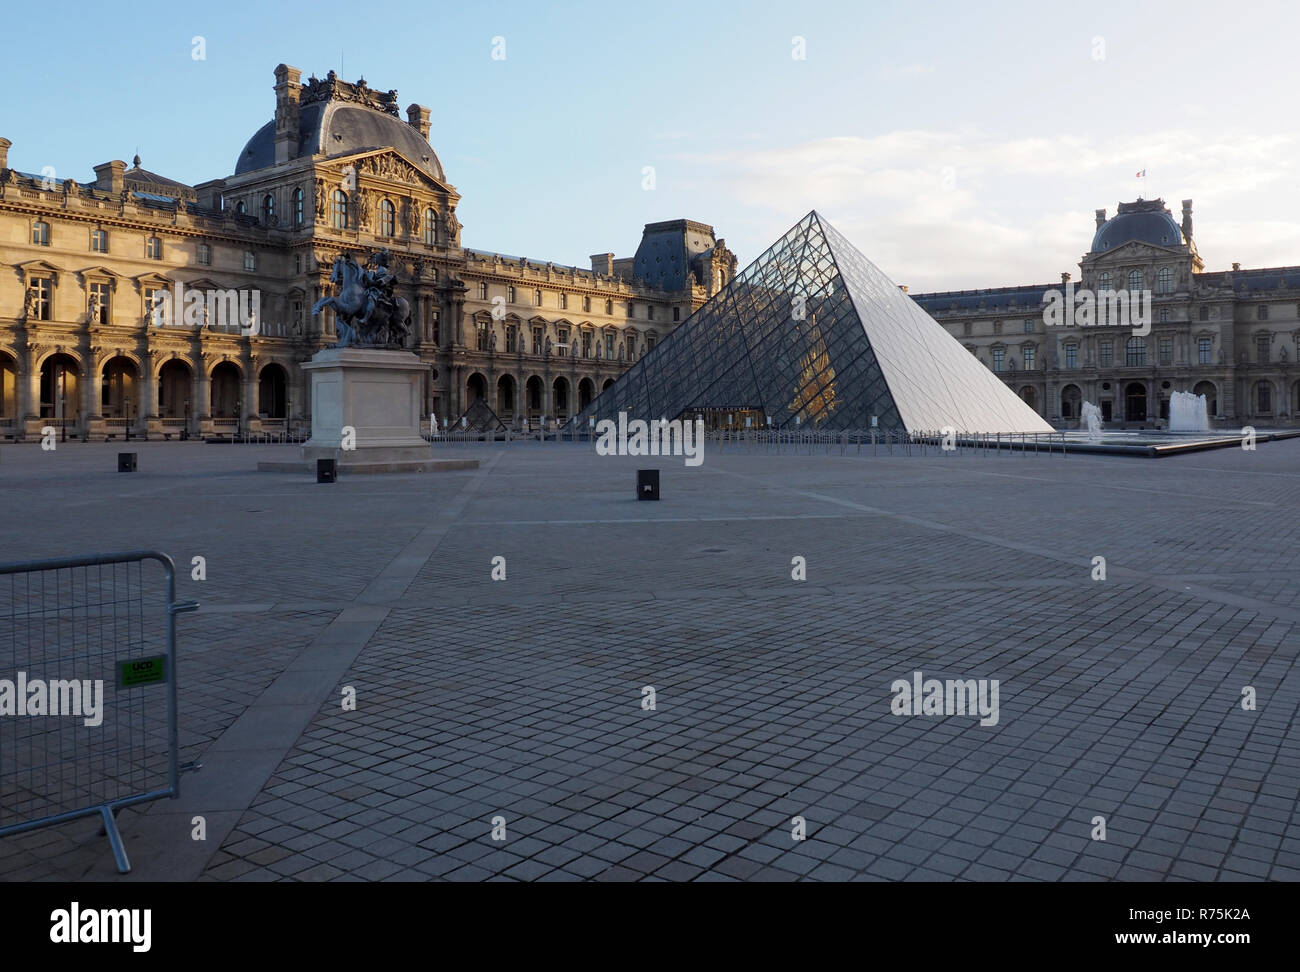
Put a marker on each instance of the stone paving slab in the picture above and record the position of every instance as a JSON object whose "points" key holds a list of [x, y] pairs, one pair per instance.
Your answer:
{"points": [[522, 699]]}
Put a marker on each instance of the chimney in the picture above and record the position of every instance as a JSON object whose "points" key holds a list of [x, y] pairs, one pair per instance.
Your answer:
{"points": [[1187, 218], [1101, 217], [417, 116], [4, 152], [109, 177], [603, 263], [288, 92], [1065, 277]]}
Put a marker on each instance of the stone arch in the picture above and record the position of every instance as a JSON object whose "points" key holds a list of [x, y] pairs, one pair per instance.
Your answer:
{"points": [[505, 396], [1071, 402], [475, 388], [218, 362], [127, 353], [273, 391], [534, 399], [1263, 397], [561, 400], [1135, 401], [1029, 395], [46, 355], [8, 384], [224, 390], [162, 360], [1211, 393], [175, 386], [607, 384], [60, 386], [586, 393], [119, 384]]}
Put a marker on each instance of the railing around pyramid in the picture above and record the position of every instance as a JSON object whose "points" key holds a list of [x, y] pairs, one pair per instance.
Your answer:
{"points": [[795, 442]]}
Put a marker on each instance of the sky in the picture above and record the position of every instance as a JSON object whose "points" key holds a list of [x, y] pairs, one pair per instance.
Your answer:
{"points": [[957, 145]]}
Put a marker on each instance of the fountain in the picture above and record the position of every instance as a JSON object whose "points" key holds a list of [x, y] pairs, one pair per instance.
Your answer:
{"points": [[1188, 413], [1090, 418]]}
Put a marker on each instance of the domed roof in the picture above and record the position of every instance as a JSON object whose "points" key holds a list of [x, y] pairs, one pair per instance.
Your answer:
{"points": [[333, 127], [1146, 221]]}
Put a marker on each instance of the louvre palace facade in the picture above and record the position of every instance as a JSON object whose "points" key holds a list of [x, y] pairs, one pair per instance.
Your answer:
{"points": [[1231, 335], [336, 170]]}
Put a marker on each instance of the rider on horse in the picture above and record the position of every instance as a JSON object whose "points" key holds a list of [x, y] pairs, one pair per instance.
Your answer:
{"points": [[378, 280]]}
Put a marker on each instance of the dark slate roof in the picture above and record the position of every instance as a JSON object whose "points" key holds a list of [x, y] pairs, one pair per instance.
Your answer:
{"points": [[667, 250], [997, 300], [334, 128], [1143, 221], [1254, 281]]}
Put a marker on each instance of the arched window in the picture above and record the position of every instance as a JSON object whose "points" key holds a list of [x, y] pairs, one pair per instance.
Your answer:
{"points": [[609, 307], [387, 218], [339, 210], [298, 215], [1103, 282], [1134, 281], [430, 228], [240, 208], [268, 208], [1165, 281]]}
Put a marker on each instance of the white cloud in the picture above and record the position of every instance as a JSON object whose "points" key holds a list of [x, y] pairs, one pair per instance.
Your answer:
{"points": [[958, 210]]}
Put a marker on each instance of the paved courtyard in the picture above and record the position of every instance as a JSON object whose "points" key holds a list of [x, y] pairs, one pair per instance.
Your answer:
{"points": [[522, 699]]}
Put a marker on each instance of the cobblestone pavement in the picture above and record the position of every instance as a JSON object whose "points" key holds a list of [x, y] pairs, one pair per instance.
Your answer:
{"points": [[520, 703]]}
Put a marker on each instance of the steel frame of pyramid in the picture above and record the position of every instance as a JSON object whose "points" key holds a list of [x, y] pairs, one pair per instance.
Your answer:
{"points": [[812, 334]]}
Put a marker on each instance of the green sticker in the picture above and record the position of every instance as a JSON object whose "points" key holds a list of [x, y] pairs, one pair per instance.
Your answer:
{"points": [[142, 671]]}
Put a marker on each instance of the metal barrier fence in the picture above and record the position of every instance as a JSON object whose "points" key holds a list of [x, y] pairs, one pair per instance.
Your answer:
{"points": [[88, 721], [805, 441]]}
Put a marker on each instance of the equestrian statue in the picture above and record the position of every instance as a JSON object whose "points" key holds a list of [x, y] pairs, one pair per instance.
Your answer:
{"points": [[367, 312]]}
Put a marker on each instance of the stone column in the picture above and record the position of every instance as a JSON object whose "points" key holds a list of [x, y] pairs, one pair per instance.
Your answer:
{"points": [[200, 404], [91, 388], [247, 405], [148, 418], [29, 402]]}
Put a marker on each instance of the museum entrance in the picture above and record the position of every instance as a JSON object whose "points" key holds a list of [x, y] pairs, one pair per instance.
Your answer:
{"points": [[727, 419]]}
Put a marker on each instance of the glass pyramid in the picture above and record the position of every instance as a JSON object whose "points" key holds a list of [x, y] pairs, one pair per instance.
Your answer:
{"points": [[813, 335]]}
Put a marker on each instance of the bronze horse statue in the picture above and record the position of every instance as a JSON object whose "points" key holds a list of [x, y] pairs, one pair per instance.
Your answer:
{"points": [[364, 313]]}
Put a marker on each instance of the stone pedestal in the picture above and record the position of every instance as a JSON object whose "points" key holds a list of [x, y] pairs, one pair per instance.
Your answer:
{"points": [[365, 413], [376, 395]]}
